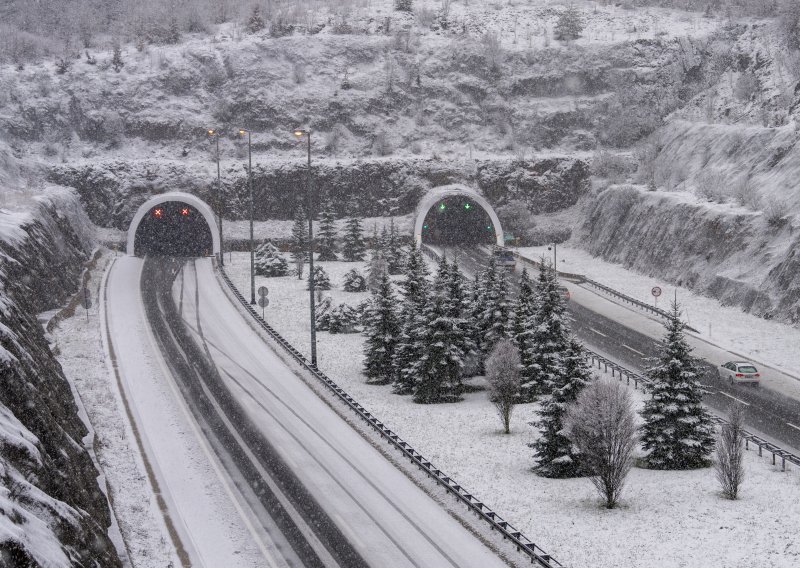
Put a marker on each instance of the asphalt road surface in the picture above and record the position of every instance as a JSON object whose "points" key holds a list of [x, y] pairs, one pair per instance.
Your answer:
{"points": [[767, 412]]}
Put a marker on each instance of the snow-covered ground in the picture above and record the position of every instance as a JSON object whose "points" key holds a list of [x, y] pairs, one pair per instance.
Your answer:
{"points": [[728, 327], [666, 518]]}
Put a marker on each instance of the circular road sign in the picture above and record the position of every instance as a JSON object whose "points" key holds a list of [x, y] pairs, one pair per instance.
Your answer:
{"points": [[263, 302], [263, 291], [656, 291]]}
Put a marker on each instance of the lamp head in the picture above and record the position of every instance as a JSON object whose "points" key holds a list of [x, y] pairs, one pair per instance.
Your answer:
{"points": [[211, 132], [300, 132]]}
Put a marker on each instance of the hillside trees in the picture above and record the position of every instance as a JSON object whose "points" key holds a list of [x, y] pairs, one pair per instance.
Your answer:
{"points": [[353, 246], [569, 25], [326, 242]]}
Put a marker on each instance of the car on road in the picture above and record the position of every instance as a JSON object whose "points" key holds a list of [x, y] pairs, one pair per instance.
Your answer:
{"points": [[504, 258], [739, 372], [564, 292]]}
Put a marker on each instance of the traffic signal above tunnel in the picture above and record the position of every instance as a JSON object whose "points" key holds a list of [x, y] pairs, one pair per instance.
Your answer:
{"points": [[173, 228], [455, 221]]}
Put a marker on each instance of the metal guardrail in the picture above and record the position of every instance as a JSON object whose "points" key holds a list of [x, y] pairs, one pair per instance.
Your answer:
{"points": [[522, 543], [618, 370]]}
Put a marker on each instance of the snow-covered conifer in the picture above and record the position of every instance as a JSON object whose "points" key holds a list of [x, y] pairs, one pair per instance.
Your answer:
{"points": [[523, 310], [299, 240], [677, 433], [353, 246], [569, 25], [554, 451], [321, 279], [415, 289], [546, 335], [393, 251], [383, 333], [437, 370], [269, 261], [256, 21], [326, 243], [344, 319], [354, 281], [376, 269]]}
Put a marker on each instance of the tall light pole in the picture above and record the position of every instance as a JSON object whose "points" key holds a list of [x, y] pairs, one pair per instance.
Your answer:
{"points": [[555, 259], [215, 134], [299, 132], [242, 132]]}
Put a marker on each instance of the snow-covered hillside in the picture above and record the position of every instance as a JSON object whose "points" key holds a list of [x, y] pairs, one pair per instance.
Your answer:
{"points": [[53, 511]]}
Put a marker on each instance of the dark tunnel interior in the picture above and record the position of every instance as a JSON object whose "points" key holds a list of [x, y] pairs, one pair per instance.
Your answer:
{"points": [[457, 220], [173, 228]]}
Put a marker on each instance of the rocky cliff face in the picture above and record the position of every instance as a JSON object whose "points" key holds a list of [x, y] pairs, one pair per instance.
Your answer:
{"points": [[738, 256], [52, 511], [112, 190]]}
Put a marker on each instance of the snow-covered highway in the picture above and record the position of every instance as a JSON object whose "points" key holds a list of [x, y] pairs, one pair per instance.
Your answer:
{"points": [[352, 505]]}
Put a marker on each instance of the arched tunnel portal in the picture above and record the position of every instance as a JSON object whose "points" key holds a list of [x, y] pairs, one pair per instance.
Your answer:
{"points": [[173, 224], [456, 216]]}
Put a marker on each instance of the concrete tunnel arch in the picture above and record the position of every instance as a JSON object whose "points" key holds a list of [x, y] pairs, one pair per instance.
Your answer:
{"points": [[201, 206], [455, 190]]}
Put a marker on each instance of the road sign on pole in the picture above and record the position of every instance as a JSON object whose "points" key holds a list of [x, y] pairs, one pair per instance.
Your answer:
{"points": [[263, 301], [263, 291], [656, 292]]}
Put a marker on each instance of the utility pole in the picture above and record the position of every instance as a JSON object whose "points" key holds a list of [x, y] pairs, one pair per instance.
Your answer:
{"points": [[311, 283]]}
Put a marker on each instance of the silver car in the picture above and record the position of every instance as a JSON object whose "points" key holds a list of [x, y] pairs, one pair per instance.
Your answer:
{"points": [[739, 372]]}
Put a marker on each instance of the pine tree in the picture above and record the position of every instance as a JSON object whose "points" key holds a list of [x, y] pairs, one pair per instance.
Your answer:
{"points": [[554, 451], [344, 319], [383, 333], [569, 25], [415, 290], [173, 32], [523, 311], [353, 247], [299, 240], [321, 279], [547, 337], [326, 245], [393, 252], [437, 370], [457, 309], [375, 270], [354, 281], [116, 58], [269, 261], [494, 317], [256, 21], [677, 432]]}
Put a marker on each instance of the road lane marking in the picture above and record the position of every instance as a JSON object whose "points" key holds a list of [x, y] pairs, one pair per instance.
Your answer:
{"points": [[734, 398], [634, 350], [598, 332], [793, 426]]}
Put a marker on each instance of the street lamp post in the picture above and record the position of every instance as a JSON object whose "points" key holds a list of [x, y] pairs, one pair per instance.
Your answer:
{"points": [[215, 134], [555, 259], [299, 132], [252, 208]]}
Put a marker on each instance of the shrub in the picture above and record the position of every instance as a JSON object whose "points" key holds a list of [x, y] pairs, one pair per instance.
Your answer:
{"points": [[602, 424], [503, 376], [382, 145], [354, 281], [270, 262], [730, 452], [344, 319]]}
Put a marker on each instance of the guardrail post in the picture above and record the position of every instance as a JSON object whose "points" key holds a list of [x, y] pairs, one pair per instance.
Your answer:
{"points": [[747, 443], [773, 458], [759, 450], [783, 465]]}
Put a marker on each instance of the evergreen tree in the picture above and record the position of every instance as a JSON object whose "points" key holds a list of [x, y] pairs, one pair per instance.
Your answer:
{"points": [[494, 316], [437, 370], [353, 247], [457, 309], [523, 311], [354, 281], [116, 58], [299, 240], [383, 333], [326, 245], [569, 25], [321, 279], [173, 32], [554, 451], [404, 5], [393, 252], [269, 261], [256, 21], [344, 319], [415, 290], [677, 433], [546, 336], [376, 269]]}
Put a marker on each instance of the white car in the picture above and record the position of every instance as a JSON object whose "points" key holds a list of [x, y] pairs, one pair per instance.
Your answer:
{"points": [[739, 372]]}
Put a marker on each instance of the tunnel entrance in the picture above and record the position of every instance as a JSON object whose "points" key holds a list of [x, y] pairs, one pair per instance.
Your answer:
{"points": [[457, 220], [173, 228]]}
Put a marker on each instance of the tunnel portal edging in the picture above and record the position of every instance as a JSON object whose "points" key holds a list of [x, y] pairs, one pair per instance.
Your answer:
{"points": [[438, 193], [189, 199]]}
